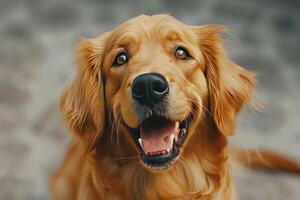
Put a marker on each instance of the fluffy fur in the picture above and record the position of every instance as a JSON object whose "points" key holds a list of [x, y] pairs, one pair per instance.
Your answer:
{"points": [[103, 161]]}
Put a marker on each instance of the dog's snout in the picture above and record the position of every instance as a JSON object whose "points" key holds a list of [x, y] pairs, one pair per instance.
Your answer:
{"points": [[149, 89]]}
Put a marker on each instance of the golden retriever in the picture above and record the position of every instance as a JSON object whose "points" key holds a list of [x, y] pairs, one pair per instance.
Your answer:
{"points": [[150, 108]]}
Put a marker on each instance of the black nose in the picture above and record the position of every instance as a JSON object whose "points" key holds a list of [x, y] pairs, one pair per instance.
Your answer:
{"points": [[149, 89]]}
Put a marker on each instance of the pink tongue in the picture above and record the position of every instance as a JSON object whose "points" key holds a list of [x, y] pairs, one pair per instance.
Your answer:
{"points": [[160, 139]]}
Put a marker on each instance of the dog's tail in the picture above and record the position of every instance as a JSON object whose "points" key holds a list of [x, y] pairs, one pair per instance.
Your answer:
{"points": [[266, 159]]}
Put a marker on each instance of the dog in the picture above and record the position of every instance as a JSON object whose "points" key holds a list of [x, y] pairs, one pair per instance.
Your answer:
{"points": [[151, 108]]}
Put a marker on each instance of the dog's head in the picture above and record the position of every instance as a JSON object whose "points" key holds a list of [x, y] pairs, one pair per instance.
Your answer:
{"points": [[152, 81]]}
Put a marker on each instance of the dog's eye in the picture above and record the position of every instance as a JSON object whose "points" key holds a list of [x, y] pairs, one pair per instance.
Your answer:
{"points": [[182, 54], [120, 59]]}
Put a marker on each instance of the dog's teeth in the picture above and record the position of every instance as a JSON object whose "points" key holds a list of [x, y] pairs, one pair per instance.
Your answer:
{"points": [[168, 150], [141, 143]]}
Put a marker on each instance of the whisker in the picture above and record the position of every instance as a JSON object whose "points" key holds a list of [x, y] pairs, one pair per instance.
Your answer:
{"points": [[195, 88], [198, 105]]}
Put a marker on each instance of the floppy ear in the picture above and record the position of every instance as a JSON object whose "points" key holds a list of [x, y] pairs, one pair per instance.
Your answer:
{"points": [[230, 86], [82, 102]]}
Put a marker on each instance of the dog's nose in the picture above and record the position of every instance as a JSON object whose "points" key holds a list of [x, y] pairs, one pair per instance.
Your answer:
{"points": [[149, 89]]}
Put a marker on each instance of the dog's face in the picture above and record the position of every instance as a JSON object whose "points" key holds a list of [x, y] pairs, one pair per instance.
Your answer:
{"points": [[147, 65], [156, 78]]}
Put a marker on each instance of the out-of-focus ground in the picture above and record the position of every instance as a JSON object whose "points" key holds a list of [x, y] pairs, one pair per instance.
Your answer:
{"points": [[37, 40]]}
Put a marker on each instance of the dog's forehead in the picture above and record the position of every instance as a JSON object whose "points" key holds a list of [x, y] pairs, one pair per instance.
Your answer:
{"points": [[150, 22], [153, 27]]}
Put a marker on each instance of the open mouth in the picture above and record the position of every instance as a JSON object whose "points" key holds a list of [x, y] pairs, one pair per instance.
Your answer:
{"points": [[159, 140]]}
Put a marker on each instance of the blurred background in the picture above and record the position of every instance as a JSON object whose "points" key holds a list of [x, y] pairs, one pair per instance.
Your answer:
{"points": [[37, 39]]}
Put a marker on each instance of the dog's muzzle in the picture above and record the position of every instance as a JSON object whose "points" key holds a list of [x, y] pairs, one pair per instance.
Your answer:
{"points": [[157, 137]]}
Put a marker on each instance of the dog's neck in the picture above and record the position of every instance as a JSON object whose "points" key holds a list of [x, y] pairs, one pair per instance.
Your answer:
{"points": [[201, 171]]}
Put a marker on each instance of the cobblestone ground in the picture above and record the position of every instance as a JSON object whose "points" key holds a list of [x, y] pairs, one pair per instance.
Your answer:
{"points": [[37, 39]]}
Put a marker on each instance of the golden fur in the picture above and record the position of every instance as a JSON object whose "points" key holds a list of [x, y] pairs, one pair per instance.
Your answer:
{"points": [[103, 161]]}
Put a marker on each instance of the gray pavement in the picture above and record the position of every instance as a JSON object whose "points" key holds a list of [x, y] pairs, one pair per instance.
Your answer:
{"points": [[37, 40]]}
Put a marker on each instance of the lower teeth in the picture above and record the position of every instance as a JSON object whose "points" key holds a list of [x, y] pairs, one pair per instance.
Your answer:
{"points": [[159, 152]]}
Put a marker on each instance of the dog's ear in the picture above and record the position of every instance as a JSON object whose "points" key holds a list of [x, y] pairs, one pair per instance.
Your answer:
{"points": [[229, 85], [83, 102]]}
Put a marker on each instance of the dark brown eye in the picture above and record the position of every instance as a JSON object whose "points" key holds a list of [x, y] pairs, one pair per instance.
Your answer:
{"points": [[121, 59], [182, 54]]}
